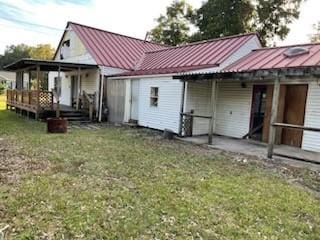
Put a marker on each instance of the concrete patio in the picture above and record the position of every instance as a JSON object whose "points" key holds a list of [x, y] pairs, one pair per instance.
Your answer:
{"points": [[253, 148]]}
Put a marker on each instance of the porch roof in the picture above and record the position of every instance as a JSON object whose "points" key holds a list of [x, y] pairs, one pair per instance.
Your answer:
{"points": [[47, 65], [296, 61], [289, 73]]}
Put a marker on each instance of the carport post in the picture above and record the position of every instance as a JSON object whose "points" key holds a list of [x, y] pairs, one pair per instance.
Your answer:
{"points": [[100, 95], [58, 92], [273, 118], [78, 88], [212, 110]]}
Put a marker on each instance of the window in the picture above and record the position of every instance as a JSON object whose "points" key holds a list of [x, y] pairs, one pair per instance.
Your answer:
{"points": [[57, 85], [154, 96], [65, 50]]}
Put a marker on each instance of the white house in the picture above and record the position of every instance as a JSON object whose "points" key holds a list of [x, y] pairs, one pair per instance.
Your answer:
{"points": [[112, 53], [223, 86], [155, 100]]}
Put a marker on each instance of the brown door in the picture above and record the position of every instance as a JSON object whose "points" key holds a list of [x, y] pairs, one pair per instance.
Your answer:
{"points": [[294, 111]]}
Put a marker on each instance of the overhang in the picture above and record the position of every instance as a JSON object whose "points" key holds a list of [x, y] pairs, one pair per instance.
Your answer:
{"points": [[312, 73], [47, 65]]}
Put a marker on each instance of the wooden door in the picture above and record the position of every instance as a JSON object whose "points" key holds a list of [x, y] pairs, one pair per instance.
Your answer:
{"points": [[267, 116], [294, 112], [74, 88]]}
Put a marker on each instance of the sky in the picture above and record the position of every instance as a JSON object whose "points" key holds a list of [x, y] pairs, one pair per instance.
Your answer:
{"points": [[42, 21]]}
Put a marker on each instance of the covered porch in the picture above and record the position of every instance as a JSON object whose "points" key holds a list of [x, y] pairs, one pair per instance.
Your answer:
{"points": [[275, 107], [32, 93]]}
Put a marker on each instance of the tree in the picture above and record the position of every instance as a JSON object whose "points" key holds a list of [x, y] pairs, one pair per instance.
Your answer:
{"points": [[42, 51], [173, 28], [227, 17], [272, 18], [217, 18], [315, 37], [13, 53]]}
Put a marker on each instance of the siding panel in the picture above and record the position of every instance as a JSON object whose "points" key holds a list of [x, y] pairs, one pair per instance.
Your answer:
{"points": [[167, 113], [311, 140], [198, 99], [233, 109], [116, 100]]}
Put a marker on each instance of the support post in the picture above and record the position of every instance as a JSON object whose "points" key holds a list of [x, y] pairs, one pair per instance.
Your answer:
{"points": [[101, 96], [58, 92], [273, 118], [212, 110], [78, 89], [182, 107], [38, 92]]}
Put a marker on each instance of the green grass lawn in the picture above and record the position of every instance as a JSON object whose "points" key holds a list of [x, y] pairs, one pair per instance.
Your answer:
{"points": [[118, 183]]}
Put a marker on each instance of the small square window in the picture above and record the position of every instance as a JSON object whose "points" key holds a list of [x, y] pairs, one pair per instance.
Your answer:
{"points": [[154, 96]]}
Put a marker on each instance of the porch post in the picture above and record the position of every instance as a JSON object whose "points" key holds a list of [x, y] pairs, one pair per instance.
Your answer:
{"points": [[78, 89], [273, 118], [58, 92], [182, 107], [212, 110], [101, 96], [38, 92]]}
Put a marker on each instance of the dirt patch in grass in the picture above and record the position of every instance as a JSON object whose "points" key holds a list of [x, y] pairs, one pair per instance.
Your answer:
{"points": [[13, 164]]}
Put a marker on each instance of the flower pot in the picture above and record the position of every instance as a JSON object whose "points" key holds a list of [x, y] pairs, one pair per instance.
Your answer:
{"points": [[57, 125]]}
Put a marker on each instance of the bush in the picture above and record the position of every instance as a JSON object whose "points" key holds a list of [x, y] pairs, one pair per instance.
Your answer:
{"points": [[2, 88]]}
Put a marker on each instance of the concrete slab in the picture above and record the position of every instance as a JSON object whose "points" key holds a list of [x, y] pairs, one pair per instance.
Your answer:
{"points": [[254, 148]]}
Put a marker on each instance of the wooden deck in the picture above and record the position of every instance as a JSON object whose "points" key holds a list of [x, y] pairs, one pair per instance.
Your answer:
{"points": [[33, 101]]}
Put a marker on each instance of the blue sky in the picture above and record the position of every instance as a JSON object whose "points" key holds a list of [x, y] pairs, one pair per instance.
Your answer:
{"points": [[42, 21]]}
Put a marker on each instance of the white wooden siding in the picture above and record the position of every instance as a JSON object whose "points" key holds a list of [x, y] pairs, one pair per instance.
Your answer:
{"points": [[252, 44], [134, 115], [89, 83], [233, 109], [167, 114], [198, 99], [311, 140], [77, 52]]}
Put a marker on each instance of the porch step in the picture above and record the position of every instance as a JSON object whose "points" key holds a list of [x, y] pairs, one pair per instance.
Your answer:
{"points": [[75, 116], [78, 119]]}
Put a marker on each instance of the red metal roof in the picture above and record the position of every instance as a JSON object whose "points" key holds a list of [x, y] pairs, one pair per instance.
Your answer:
{"points": [[112, 49], [274, 58], [199, 55]]}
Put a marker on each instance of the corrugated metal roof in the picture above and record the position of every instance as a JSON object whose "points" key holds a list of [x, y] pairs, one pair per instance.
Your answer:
{"points": [[200, 55], [275, 58], [112, 49]]}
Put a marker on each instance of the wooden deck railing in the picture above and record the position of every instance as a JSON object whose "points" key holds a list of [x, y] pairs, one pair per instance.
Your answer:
{"points": [[88, 104], [32, 100]]}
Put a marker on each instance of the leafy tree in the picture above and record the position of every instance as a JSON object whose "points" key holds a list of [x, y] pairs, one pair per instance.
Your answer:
{"points": [[269, 18], [315, 37], [13, 53], [42, 51], [218, 18], [173, 28], [272, 18], [2, 88]]}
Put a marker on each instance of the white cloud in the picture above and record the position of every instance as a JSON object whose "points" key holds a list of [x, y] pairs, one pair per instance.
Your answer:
{"points": [[133, 18]]}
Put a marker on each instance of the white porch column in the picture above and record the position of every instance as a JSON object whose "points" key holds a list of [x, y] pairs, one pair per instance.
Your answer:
{"points": [[78, 89], [127, 103], [212, 122], [101, 96]]}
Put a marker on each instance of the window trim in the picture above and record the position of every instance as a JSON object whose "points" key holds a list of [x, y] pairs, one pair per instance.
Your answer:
{"points": [[154, 99]]}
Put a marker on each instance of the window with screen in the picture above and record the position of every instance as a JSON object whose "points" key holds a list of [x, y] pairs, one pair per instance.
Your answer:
{"points": [[154, 96]]}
